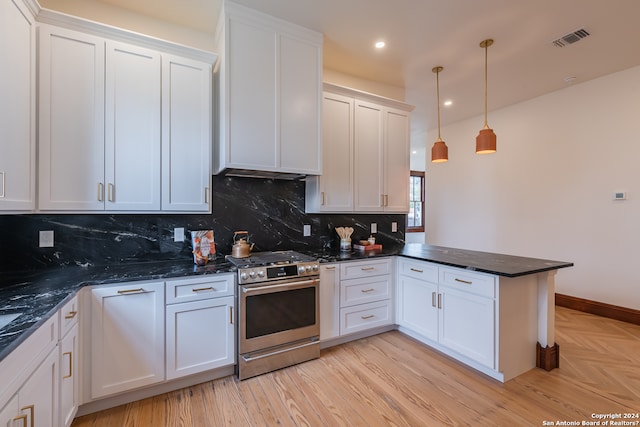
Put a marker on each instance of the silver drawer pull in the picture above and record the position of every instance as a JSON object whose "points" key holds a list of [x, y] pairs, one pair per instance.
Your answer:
{"points": [[367, 290], [367, 268], [417, 270], [130, 291], [330, 268], [210, 288], [466, 282], [367, 317]]}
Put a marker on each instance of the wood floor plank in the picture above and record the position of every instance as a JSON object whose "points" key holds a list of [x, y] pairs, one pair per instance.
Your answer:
{"points": [[393, 380]]}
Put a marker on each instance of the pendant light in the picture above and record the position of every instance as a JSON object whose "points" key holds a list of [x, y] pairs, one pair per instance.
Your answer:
{"points": [[439, 151], [486, 139]]}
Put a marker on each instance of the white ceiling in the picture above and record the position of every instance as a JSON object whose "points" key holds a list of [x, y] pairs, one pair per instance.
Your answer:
{"points": [[421, 34]]}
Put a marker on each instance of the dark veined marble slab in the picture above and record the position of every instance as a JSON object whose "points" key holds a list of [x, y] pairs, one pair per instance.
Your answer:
{"points": [[39, 294], [486, 262]]}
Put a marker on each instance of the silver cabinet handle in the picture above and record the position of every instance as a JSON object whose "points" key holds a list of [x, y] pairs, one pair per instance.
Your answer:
{"points": [[417, 270], [111, 192], [367, 317], [367, 290], [100, 192], [3, 177], [322, 193], [210, 288], [466, 282], [433, 299], [439, 300], [130, 291]]}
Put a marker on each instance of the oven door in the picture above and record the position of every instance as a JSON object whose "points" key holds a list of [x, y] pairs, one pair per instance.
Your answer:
{"points": [[277, 313]]}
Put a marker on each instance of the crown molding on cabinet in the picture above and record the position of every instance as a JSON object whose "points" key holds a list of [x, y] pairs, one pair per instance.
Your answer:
{"points": [[71, 22], [366, 96]]}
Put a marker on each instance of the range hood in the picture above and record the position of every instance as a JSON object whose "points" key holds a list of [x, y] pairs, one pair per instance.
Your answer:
{"points": [[250, 173]]}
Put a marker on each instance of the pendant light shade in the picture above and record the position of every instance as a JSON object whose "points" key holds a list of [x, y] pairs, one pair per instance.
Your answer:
{"points": [[486, 139], [439, 151]]}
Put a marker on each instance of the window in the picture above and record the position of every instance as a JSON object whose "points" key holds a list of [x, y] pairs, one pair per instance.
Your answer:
{"points": [[415, 218]]}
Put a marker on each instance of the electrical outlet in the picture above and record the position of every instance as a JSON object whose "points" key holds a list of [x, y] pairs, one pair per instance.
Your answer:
{"points": [[394, 227], [306, 230], [178, 234], [374, 227], [46, 239]]}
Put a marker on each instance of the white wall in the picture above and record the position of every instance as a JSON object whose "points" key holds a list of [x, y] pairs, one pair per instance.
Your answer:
{"points": [[548, 191]]}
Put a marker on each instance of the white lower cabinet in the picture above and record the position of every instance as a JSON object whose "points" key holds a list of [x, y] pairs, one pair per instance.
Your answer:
{"points": [[329, 301], [69, 362], [36, 403], [127, 337], [448, 306], [29, 385], [200, 332], [365, 295]]}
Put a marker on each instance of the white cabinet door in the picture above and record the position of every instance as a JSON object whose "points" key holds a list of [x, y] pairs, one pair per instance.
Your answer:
{"points": [[127, 337], [252, 95], [132, 128], [69, 377], [467, 325], [333, 191], [396, 167], [71, 122], [368, 157], [10, 413], [200, 336], [417, 306], [186, 134], [329, 301], [299, 94], [17, 107], [38, 397]]}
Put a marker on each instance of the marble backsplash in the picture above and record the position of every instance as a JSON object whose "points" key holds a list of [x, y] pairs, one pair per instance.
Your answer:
{"points": [[272, 211]]}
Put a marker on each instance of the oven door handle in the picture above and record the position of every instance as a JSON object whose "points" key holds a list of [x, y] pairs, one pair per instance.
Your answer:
{"points": [[275, 288], [249, 358]]}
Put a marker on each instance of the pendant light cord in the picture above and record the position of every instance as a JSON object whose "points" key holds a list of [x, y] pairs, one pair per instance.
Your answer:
{"points": [[486, 90], [438, 99]]}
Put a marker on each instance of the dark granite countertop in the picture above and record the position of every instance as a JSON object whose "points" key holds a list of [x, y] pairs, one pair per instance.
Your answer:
{"points": [[486, 262], [38, 294]]}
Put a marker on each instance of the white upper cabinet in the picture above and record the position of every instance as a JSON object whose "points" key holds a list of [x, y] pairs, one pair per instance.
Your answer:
{"points": [[333, 191], [186, 134], [132, 128], [123, 127], [17, 107], [270, 91], [71, 121], [366, 152]]}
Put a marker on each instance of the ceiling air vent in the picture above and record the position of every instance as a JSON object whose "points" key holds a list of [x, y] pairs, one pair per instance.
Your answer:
{"points": [[571, 38]]}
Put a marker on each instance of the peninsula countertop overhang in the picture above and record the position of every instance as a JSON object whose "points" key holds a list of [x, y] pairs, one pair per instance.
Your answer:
{"points": [[485, 262]]}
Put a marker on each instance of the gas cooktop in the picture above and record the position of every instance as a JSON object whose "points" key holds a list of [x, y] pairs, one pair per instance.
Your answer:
{"points": [[258, 259]]}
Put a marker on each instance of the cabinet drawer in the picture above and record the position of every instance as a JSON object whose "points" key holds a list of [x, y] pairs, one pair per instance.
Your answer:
{"points": [[477, 283], [211, 286], [419, 270], [69, 316], [354, 270], [365, 316], [367, 289]]}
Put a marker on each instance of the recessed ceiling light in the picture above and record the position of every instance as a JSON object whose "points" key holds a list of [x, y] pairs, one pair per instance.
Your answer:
{"points": [[379, 44], [414, 152], [448, 103]]}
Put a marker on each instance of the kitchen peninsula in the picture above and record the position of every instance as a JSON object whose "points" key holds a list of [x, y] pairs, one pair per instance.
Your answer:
{"points": [[492, 311]]}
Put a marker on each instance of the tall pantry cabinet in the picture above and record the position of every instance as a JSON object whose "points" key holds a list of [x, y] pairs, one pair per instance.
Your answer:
{"points": [[17, 107]]}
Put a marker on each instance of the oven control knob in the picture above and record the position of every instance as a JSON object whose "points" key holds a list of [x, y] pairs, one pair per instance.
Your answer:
{"points": [[301, 269], [243, 276], [308, 268], [261, 273], [252, 274], [315, 267]]}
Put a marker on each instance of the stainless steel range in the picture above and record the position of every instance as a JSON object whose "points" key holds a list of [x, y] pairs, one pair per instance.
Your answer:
{"points": [[278, 311]]}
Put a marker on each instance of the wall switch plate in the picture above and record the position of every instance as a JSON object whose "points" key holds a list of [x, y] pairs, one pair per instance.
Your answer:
{"points": [[620, 195], [394, 227], [46, 239], [306, 230], [178, 234], [374, 227]]}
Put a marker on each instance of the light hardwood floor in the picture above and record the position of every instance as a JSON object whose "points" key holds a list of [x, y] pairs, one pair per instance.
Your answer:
{"points": [[392, 380]]}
